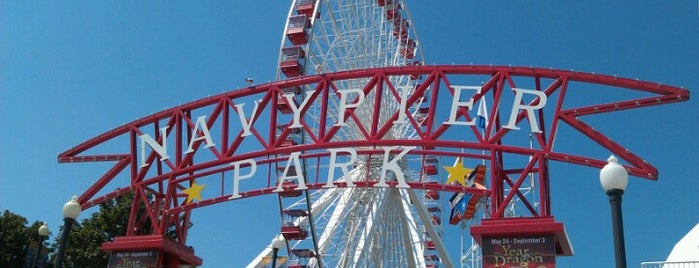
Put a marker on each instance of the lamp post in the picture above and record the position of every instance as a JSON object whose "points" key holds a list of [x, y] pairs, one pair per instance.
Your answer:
{"points": [[71, 211], [614, 179], [43, 234], [277, 243]]}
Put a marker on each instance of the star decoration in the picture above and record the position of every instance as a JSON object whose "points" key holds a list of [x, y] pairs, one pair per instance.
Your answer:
{"points": [[457, 173], [194, 192]]}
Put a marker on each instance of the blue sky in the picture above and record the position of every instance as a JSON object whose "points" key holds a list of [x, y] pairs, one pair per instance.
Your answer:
{"points": [[72, 70]]}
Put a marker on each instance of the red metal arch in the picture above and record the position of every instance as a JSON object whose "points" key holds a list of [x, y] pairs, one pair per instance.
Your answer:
{"points": [[157, 182]]}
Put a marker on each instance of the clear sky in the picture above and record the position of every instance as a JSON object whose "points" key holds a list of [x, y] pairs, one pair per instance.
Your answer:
{"points": [[72, 70]]}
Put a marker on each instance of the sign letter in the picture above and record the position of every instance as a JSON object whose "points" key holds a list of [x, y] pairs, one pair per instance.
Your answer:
{"points": [[296, 165], [201, 122], [237, 177], [517, 105], [243, 120], [160, 149], [343, 166], [344, 105], [402, 118], [393, 166], [297, 110], [456, 103]]}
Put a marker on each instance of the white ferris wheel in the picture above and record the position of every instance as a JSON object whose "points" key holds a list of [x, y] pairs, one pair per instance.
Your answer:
{"points": [[359, 227]]}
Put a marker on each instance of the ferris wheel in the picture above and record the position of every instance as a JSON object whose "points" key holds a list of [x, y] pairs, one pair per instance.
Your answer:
{"points": [[356, 227]]}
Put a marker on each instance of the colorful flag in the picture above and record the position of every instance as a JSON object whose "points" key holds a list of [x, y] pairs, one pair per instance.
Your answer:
{"points": [[459, 208], [482, 115], [464, 205]]}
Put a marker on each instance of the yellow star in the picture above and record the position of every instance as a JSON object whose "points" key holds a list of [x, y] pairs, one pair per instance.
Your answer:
{"points": [[457, 173], [194, 192]]}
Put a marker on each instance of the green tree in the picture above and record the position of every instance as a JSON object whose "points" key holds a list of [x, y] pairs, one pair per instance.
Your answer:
{"points": [[86, 238], [15, 236]]}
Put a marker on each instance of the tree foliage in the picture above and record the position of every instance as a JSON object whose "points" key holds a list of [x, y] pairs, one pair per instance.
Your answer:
{"points": [[86, 238], [15, 236]]}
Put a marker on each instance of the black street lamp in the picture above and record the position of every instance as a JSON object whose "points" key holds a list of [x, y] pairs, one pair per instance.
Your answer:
{"points": [[43, 234], [71, 211], [614, 178], [277, 243]]}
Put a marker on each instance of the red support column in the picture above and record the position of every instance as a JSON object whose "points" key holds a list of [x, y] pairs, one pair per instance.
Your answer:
{"points": [[512, 240], [164, 252]]}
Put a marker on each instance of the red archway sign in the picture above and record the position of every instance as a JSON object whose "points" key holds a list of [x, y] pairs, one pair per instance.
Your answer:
{"points": [[292, 135]]}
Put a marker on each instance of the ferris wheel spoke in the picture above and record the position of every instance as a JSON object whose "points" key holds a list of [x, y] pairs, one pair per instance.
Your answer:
{"points": [[331, 226], [429, 228], [321, 203], [361, 237], [415, 244]]}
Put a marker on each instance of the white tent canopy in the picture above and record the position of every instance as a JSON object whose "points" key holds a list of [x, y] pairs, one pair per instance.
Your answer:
{"points": [[687, 249]]}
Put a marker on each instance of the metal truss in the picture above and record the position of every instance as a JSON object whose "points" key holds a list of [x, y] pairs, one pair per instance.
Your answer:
{"points": [[237, 132]]}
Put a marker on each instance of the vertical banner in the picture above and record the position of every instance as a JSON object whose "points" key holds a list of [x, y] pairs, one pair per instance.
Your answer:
{"points": [[519, 252], [135, 259]]}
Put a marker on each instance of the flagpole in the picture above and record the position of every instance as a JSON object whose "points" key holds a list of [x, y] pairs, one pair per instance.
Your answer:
{"points": [[482, 115], [461, 259], [463, 226], [531, 174], [482, 123]]}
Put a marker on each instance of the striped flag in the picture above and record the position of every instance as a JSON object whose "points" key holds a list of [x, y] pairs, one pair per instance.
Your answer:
{"points": [[459, 203], [482, 115]]}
